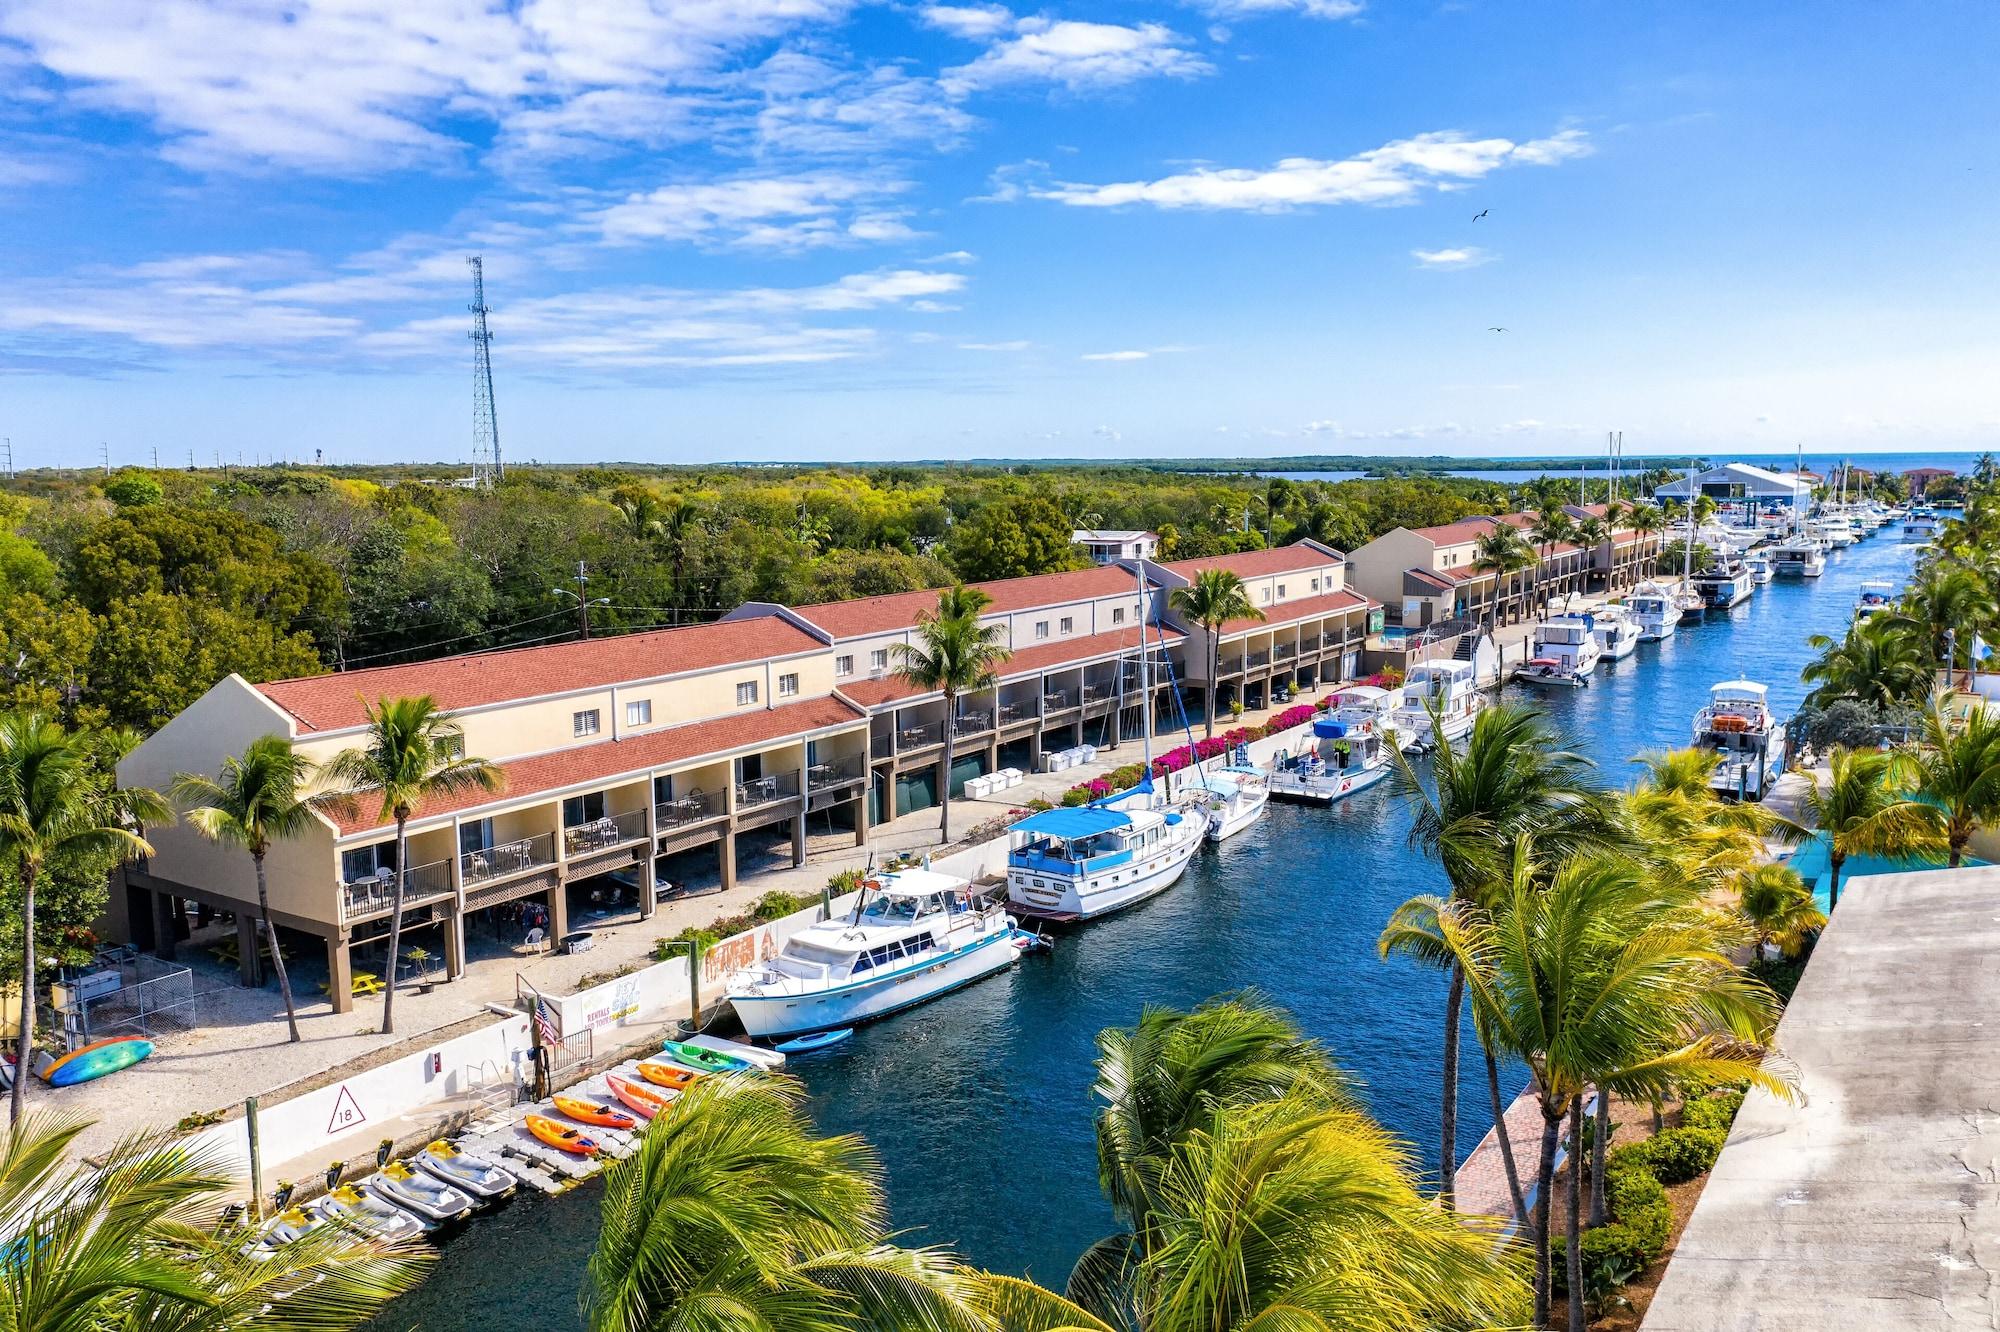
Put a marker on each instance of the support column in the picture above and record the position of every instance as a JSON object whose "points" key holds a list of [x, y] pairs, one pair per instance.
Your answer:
{"points": [[339, 975], [861, 811], [247, 970], [558, 912], [649, 860], [799, 837], [454, 944], [163, 925], [725, 856]]}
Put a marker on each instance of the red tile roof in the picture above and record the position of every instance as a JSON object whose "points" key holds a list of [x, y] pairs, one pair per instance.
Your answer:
{"points": [[618, 758], [874, 693], [1304, 608], [333, 702], [899, 610], [1466, 574], [1426, 576], [1257, 563]]}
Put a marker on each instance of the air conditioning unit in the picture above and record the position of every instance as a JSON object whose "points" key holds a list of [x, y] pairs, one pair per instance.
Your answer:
{"points": [[90, 985]]}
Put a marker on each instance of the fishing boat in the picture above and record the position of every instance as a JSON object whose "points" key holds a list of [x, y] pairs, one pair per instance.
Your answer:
{"points": [[912, 935], [1338, 761], [561, 1136], [474, 1174], [1798, 557], [1877, 597], [1737, 725], [369, 1214], [640, 1100], [704, 1060], [401, 1185], [1233, 797], [671, 1076], [1617, 633], [1453, 686], [1367, 710], [1723, 584], [1656, 610], [589, 1112]]}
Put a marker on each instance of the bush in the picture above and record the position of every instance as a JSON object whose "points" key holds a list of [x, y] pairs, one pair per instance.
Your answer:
{"points": [[1638, 1204], [1681, 1154], [1076, 795], [1712, 1112]]}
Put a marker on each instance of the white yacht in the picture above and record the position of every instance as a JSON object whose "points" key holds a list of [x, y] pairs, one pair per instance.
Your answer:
{"points": [[1799, 557], [1566, 652], [1878, 597], [1233, 796], [1920, 526], [1618, 633], [1367, 710], [1724, 584], [1081, 863], [911, 936], [1759, 564], [1656, 609], [1737, 724], [1454, 686], [1340, 760], [1836, 533]]}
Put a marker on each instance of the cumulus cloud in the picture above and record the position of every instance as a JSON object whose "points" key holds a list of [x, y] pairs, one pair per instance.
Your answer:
{"points": [[1018, 344], [1320, 9], [1116, 356], [1464, 256], [1397, 172], [1077, 56], [790, 212], [970, 21]]}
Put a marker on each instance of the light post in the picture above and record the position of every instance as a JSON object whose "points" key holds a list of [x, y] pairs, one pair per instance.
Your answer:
{"points": [[581, 597]]}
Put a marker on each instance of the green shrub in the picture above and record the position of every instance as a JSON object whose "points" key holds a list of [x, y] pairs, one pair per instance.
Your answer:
{"points": [[1612, 1255], [1681, 1154], [1638, 1203], [1712, 1112], [1075, 796]]}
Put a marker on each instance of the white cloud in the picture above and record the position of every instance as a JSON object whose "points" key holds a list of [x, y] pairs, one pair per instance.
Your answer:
{"points": [[854, 111], [795, 212], [1106, 432], [1019, 344], [1320, 9], [974, 22], [1116, 356], [1397, 172], [1078, 56], [1464, 256]]}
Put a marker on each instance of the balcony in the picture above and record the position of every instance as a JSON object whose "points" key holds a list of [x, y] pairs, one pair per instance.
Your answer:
{"points": [[767, 790], [919, 737], [827, 776], [368, 897], [1016, 712], [972, 723], [1057, 700], [882, 746], [1286, 651], [696, 806], [510, 858], [602, 834], [1255, 659]]}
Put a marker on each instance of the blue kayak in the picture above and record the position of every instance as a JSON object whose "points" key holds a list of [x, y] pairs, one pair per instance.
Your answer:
{"points": [[819, 1040]]}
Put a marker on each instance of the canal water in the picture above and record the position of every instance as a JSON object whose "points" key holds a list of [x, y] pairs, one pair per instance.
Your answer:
{"points": [[979, 1104]]}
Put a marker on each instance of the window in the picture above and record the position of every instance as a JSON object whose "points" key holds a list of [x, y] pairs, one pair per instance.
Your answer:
{"points": [[366, 862], [583, 723], [746, 693], [639, 712], [843, 666], [788, 686], [1263, 594], [475, 835], [1281, 591], [878, 660], [1067, 625], [1117, 615], [579, 810], [1315, 584], [1041, 628]]}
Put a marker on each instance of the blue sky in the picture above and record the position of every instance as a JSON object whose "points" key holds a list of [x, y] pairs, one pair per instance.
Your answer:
{"points": [[766, 229]]}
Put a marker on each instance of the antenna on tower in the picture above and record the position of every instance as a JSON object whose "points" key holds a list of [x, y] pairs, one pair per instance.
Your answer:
{"points": [[486, 465]]}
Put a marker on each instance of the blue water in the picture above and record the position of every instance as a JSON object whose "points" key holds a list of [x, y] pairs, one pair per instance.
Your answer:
{"points": [[979, 1104], [1814, 866], [1593, 468]]}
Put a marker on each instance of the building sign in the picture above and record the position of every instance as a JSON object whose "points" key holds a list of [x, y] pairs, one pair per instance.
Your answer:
{"points": [[1376, 620]]}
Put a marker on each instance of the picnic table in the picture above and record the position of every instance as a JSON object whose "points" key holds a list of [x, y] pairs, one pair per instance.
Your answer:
{"points": [[363, 983]]}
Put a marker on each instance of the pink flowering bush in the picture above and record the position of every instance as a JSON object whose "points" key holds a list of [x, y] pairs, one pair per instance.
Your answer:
{"points": [[1186, 756]]}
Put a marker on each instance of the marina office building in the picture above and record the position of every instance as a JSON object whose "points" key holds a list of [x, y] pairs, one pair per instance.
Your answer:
{"points": [[710, 746]]}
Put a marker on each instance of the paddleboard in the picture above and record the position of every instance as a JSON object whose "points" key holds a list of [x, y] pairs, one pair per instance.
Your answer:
{"points": [[95, 1060]]}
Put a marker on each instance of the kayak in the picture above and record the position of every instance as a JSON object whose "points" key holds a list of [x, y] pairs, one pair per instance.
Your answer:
{"points": [[641, 1101], [703, 1059], [819, 1040], [589, 1112], [95, 1060], [562, 1136], [669, 1076]]}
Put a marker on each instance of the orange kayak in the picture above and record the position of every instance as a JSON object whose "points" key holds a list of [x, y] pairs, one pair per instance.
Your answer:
{"points": [[589, 1112], [671, 1076], [561, 1136], [642, 1101]]}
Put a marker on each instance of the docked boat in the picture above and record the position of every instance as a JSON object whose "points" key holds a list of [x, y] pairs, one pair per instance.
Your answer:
{"points": [[1617, 632], [1920, 526], [1566, 651], [462, 1170], [1656, 609], [1799, 557], [1338, 761], [1077, 864], [1723, 585], [1453, 686], [1878, 597], [369, 1214], [430, 1198], [671, 1076], [912, 935], [288, 1227], [1233, 797], [1759, 564], [1738, 726]]}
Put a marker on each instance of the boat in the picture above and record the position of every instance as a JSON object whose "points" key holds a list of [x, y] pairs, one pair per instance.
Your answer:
{"points": [[1798, 557], [1233, 796], [1550, 671], [704, 1060], [817, 1041], [1723, 585], [287, 1227], [95, 1060], [671, 1076], [1453, 686], [474, 1174], [589, 1112], [1617, 633], [1340, 760], [1367, 709], [369, 1214], [912, 935], [1878, 597], [1656, 609], [430, 1198], [641, 1100], [1566, 651], [1920, 526], [561, 1136], [1078, 864], [1737, 725], [1760, 567]]}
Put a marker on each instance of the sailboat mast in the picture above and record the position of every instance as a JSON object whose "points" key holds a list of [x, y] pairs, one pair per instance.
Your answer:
{"points": [[1146, 673]]}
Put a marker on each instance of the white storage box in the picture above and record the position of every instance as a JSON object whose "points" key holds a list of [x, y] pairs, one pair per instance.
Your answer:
{"points": [[1085, 753]]}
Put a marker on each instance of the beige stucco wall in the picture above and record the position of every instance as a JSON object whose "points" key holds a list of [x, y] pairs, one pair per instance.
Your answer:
{"points": [[1376, 569]]}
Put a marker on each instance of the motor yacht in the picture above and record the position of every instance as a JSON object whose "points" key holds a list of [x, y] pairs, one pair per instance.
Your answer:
{"points": [[911, 936], [1738, 726], [1877, 597], [1233, 796], [1081, 863], [1452, 686], [1724, 584], [1656, 609], [1566, 651], [1369, 710], [1799, 557], [1617, 632], [1339, 760], [1759, 564]]}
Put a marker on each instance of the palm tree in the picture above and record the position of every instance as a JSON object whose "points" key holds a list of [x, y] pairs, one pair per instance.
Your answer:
{"points": [[1957, 772], [1517, 778], [1503, 551], [954, 654], [1645, 519], [1948, 603], [1213, 599], [1258, 1195], [1863, 809], [1776, 903], [414, 753], [255, 802], [1879, 661], [134, 1241], [1551, 527], [1687, 833], [54, 803], [732, 1214]]}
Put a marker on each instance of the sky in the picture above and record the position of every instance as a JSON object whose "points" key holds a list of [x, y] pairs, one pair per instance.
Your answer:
{"points": [[721, 230]]}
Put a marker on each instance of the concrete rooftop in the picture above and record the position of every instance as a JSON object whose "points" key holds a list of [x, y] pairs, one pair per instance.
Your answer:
{"points": [[1875, 1205]]}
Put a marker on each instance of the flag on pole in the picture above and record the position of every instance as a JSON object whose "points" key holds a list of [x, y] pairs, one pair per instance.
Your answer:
{"points": [[1981, 649], [545, 1022]]}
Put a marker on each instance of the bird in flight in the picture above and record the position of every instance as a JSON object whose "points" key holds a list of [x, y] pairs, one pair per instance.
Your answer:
{"points": [[1481, 213], [1496, 330]]}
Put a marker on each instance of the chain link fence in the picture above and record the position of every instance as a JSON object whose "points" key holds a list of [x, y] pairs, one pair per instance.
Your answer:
{"points": [[125, 993]]}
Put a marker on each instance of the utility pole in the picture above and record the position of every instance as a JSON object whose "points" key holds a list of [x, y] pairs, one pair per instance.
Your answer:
{"points": [[583, 598], [10, 457], [486, 464]]}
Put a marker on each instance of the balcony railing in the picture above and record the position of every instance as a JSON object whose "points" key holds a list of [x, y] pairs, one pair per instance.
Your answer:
{"points": [[882, 746], [510, 858], [611, 830], [1056, 700], [1015, 712], [825, 776], [766, 790], [972, 723], [366, 896], [1286, 651], [919, 736], [694, 807], [1256, 659]]}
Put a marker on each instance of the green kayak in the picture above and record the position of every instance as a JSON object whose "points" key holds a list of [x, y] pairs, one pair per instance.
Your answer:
{"points": [[704, 1060]]}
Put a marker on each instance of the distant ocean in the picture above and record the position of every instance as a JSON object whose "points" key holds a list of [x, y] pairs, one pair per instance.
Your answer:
{"points": [[1820, 462]]}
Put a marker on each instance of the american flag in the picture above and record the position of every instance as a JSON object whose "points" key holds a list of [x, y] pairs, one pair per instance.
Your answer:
{"points": [[545, 1022]]}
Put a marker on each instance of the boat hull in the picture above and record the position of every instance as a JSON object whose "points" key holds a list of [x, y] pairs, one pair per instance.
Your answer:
{"points": [[1099, 892], [1326, 788], [779, 1016], [1233, 818]]}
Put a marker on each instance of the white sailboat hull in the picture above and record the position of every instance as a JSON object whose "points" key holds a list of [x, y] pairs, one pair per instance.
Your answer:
{"points": [[1102, 889]]}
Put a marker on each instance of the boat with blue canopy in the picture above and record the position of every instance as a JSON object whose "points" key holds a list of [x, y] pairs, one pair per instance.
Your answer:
{"points": [[1076, 864], [1233, 796], [1340, 759]]}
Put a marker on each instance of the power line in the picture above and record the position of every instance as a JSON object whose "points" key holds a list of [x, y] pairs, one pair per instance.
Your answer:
{"points": [[463, 638]]}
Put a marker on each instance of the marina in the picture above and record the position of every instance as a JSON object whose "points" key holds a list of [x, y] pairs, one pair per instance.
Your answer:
{"points": [[1292, 905]]}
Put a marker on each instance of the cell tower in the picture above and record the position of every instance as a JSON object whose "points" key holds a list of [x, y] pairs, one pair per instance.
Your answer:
{"points": [[486, 465]]}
